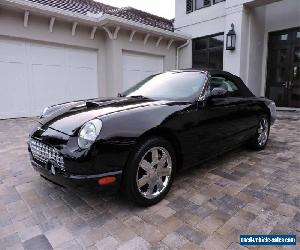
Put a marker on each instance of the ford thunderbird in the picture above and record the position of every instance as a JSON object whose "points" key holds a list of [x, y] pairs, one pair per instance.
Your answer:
{"points": [[137, 142]]}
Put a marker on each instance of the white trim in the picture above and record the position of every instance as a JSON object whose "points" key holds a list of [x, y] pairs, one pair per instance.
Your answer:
{"points": [[158, 41], [26, 17], [93, 32], [74, 26], [110, 35], [146, 38], [146, 28], [177, 52], [132, 35], [115, 36], [51, 24], [170, 43]]}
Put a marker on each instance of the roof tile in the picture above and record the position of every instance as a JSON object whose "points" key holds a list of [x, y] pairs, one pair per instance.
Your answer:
{"points": [[90, 7]]}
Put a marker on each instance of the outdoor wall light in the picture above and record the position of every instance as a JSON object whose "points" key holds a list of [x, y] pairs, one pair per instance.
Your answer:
{"points": [[231, 39]]}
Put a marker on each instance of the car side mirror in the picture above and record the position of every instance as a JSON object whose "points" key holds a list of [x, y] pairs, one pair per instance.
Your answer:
{"points": [[209, 95], [218, 92]]}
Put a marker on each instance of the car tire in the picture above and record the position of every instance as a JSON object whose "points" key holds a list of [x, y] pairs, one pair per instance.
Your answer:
{"points": [[150, 171], [261, 137]]}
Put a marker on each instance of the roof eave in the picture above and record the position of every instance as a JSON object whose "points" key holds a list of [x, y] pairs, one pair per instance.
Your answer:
{"points": [[98, 22], [132, 25]]}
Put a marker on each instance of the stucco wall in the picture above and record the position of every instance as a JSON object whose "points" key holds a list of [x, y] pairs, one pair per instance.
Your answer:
{"points": [[254, 67], [235, 61], [201, 22], [262, 20], [253, 20], [109, 51], [282, 15], [11, 24], [114, 50], [272, 17]]}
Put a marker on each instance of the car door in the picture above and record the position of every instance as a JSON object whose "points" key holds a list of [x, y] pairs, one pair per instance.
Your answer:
{"points": [[226, 118], [210, 127], [203, 129], [251, 109]]}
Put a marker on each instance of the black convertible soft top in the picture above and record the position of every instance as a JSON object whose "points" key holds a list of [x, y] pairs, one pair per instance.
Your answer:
{"points": [[241, 85], [213, 72]]}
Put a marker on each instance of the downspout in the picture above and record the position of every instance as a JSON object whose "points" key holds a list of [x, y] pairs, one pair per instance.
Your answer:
{"points": [[179, 48]]}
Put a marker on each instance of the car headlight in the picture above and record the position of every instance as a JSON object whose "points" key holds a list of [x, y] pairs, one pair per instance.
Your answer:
{"points": [[88, 133]]}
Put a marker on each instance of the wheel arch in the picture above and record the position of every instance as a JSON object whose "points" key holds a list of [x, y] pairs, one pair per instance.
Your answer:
{"points": [[264, 103], [168, 135], [267, 112]]}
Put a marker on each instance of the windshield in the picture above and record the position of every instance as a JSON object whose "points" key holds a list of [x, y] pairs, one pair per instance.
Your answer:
{"points": [[173, 85]]}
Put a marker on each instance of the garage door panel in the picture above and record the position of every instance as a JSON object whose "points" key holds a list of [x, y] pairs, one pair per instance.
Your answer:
{"points": [[12, 51], [145, 74], [129, 77], [154, 64], [131, 61], [79, 58], [14, 90], [45, 74], [137, 67], [48, 90], [47, 54], [81, 83]]}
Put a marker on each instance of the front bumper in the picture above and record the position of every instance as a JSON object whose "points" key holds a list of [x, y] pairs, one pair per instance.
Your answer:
{"points": [[74, 167], [78, 182]]}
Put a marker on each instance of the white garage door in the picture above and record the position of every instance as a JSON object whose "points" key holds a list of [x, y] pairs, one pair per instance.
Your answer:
{"points": [[137, 67], [35, 75]]}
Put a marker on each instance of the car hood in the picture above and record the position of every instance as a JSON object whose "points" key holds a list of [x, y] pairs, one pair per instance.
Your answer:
{"points": [[69, 117]]}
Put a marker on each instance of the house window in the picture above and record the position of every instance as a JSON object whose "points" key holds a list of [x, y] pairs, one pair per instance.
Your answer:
{"points": [[218, 1], [208, 52], [202, 3], [189, 6], [192, 5]]}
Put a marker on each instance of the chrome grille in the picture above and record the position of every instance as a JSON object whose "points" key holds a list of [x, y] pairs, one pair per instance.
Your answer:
{"points": [[44, 153]]}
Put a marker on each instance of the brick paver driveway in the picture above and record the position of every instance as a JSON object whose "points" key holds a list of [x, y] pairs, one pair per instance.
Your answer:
{"points": [[207, 208]]}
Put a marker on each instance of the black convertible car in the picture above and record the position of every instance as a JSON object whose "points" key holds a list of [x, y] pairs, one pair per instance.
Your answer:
{"points": [[139, 140]]}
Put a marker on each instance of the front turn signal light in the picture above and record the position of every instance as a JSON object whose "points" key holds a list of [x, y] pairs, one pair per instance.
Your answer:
{"points": [[107, 180]]}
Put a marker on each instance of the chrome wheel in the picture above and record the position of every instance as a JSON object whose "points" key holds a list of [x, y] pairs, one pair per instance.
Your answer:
{"points": [[263, 132], [154, 172]]}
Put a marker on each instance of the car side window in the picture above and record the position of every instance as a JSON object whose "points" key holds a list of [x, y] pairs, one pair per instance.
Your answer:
{"points": [[225, 83]]}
